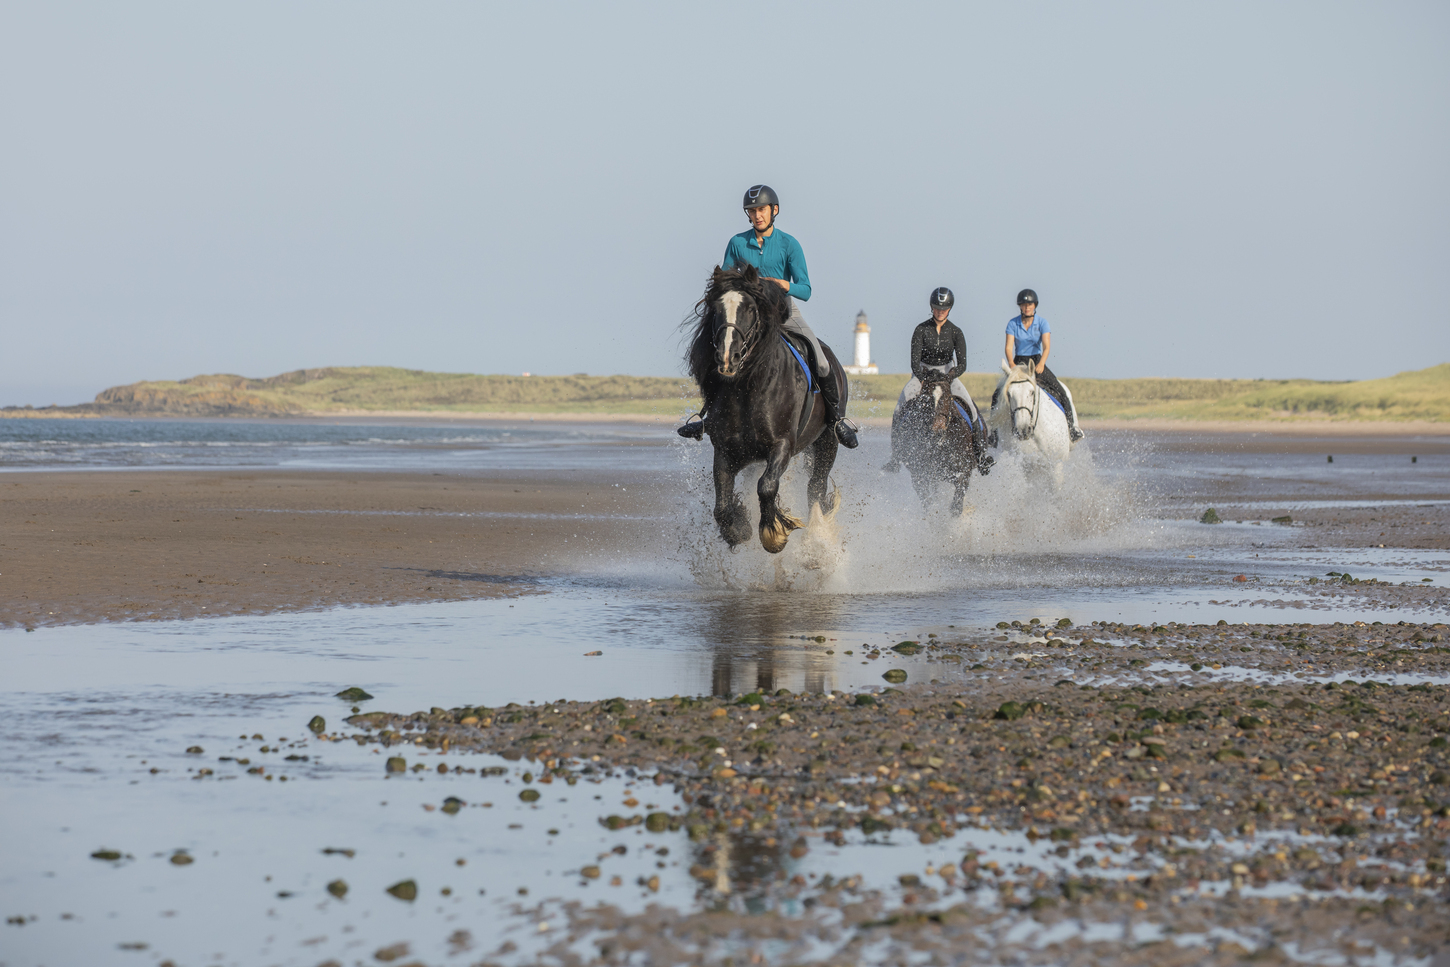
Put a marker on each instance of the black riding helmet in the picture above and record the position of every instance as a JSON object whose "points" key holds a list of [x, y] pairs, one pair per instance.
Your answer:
{"points": [[942, 298], [1026, 296], [760, 195]]}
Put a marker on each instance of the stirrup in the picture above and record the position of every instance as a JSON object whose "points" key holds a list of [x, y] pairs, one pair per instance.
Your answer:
{"points": [[693, 429], [984, 464], [846, 433]]}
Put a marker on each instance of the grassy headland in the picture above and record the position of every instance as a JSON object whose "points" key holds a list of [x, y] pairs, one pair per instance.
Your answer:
{"points": [[1420, 395]]}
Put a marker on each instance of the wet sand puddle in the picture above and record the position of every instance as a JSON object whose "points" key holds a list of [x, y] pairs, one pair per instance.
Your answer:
{"points": [[103, 715]]}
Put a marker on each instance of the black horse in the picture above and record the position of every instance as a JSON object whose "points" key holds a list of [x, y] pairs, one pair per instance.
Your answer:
{"points": [[757, 404], [931, 435]]}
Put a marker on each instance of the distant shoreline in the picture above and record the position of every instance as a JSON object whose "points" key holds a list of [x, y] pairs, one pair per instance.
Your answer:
{"points": [[1311, 426], [1418, 399]]}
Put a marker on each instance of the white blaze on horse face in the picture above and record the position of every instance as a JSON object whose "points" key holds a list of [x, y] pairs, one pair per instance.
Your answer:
{"points": [[936, 394], [731, 303]]}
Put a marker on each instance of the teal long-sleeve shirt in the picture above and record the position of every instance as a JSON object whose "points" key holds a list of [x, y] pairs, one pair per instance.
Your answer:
{"points": [[779, 257]]}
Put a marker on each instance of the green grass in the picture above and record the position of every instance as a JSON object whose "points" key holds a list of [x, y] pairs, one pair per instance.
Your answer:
{"points": [[1418, 395]]}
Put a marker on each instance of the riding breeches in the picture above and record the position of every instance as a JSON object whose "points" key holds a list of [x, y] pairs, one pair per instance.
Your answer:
{"points": [[797, 324], [913, 388]]}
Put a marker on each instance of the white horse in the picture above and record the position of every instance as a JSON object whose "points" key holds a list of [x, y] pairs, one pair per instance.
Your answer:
{"points": [[1026, 418]]}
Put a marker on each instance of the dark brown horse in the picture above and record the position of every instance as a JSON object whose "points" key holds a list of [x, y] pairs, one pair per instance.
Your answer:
{"points": [[756, 401], [931, 435]]}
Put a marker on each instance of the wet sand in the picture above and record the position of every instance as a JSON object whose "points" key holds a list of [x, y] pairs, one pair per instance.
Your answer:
{"points": [[81, 547]]}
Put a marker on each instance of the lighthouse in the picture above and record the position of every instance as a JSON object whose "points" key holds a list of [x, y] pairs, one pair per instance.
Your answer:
{"points": [[862, 365]]}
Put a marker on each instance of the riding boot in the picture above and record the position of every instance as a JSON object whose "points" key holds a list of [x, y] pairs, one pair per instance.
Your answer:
{"points": [[831, 396], [984, 459], [1073, 433]]}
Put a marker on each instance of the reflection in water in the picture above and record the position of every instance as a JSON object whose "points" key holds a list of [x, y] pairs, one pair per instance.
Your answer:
{"points": [[740, 863], [744, 635]]}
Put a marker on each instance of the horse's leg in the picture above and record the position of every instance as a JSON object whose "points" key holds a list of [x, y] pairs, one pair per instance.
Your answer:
{"points": [[922, 480], [730, 512], [823, 458], [775, 524], [962, 478]]}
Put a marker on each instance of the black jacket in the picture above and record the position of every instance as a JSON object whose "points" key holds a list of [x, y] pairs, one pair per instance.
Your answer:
{"points": [[932, 348]]}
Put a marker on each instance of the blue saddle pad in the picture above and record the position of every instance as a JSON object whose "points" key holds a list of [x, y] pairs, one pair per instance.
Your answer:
{"points": [[810, 382], [962, 410]]}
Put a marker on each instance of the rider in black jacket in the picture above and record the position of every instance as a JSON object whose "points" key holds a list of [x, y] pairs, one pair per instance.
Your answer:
{"points": [[939, 352]]}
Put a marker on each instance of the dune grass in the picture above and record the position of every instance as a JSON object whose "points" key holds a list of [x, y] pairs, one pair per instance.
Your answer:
{"points": [[1417, 395]]}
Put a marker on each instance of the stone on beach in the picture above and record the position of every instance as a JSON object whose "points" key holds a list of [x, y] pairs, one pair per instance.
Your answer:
{"points": [[404, 890]]}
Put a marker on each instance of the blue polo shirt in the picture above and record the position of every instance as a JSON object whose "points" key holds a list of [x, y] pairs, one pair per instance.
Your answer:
{"points": [[777, 256], [1029, 341]]}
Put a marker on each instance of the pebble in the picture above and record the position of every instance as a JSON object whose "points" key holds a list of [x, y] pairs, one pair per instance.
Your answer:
{"points": [[404, 890]]}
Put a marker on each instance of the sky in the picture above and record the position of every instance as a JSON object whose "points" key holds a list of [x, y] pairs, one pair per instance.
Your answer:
{"points": [[1227, 189]]}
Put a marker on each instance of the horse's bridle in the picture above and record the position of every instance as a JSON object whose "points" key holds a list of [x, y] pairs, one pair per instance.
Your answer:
{"points": [[746, 343], [1033, 409]]}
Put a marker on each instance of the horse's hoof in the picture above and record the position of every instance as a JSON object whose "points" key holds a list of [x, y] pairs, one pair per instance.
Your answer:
{"points": [[773, 537], [834, 501]]}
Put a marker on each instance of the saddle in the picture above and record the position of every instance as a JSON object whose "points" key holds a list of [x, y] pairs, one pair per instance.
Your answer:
{"points": [[801, 350]]}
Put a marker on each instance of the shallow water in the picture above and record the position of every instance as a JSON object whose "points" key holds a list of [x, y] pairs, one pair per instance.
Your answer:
{"points": [[342, 444], [94, 709]]}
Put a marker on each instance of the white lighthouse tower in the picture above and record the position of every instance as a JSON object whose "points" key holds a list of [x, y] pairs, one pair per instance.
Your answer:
{"points": [[862, 364]]}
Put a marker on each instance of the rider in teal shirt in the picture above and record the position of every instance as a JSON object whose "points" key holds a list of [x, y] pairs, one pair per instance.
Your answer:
{"points": [[778, 258]]}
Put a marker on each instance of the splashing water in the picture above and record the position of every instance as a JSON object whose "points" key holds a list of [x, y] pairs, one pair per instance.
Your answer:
{"points": [[1015, 531]]}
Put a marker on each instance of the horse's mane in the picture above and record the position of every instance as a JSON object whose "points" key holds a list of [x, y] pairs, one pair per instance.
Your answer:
{"points": [[771, 301]]}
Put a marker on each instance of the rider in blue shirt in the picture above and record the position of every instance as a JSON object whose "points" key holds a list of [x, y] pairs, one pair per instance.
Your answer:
{"points": [[1029, 340], [779, 259]]}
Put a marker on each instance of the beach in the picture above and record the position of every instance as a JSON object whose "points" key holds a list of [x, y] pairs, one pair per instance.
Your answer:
{"points": [[905, 730]]}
